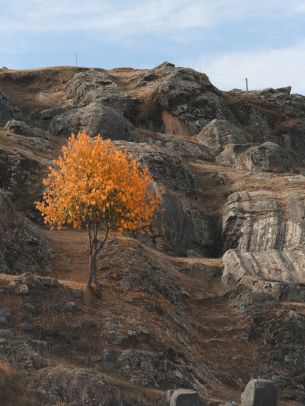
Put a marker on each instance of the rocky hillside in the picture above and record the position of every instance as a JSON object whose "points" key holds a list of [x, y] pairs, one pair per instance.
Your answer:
{"points": [[212, 297]]}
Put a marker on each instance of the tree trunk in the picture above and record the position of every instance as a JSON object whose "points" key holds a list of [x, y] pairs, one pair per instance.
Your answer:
{"points": [[95, 247], [92, 267]]}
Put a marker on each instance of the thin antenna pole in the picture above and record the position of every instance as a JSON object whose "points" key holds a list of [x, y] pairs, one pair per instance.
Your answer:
{"points": [[247, 87], [75, 59]]}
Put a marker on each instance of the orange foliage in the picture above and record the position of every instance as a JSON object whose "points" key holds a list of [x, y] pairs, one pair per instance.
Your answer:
{"points": [[94, 183]]}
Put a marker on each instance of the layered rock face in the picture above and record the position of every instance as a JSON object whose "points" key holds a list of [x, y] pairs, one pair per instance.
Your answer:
{"points": [[261, 222]]}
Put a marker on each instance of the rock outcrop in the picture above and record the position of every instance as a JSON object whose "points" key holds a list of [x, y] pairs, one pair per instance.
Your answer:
{"points": [[20, 127], [95, 119], [267, 157], [19, 239], [217, 134]]}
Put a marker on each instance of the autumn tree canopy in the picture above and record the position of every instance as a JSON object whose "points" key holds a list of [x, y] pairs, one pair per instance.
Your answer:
{"points": [[94, 185]]}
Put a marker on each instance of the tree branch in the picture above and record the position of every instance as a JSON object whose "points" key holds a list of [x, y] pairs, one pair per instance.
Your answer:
{"points": [[102, 243]]}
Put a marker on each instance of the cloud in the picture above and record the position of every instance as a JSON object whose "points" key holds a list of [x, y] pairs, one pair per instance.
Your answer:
{"points": [[132, 17], [268, 68]]}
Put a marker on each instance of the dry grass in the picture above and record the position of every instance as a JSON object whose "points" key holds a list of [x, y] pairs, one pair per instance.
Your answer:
{"points": [[12, 388]]}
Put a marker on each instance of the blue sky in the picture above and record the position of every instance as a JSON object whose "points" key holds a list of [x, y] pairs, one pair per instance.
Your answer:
{"points": [[227, 39]]}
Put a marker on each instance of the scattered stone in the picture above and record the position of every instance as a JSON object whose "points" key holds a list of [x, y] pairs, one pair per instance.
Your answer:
{"points": [[233, 403], [56, 307], [38, 345], [76, 328], [76, 293], [31, 308], [48, 331], [259, 392], [70, 306], [5, 312], [7, 334], [109, 358], [28, 327], [181, 397], [84, 360], [22, 289]]}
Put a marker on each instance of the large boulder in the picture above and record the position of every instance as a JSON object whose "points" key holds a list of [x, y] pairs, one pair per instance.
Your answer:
{"points": [[180, 397], [165, 165], [94, 119], [20, 127], [180, 226], [152, 369], [218, 133], [96, 85], [187, 100], [259, 392], [268, 157]]}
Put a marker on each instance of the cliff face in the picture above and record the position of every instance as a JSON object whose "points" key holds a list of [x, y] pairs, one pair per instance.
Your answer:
{"points": [[214, 294]]}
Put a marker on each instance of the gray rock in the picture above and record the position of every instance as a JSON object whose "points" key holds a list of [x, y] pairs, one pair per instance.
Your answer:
{"points": [[76, 293], [28, 327], [56, 307], [22, 289], [278, 273], [3, 321], [7, 334], [233, 403], [20, 353], [181, 397], [188, 101], [6, 110], [259, 392], [153, 369], [74, 385], [268, 157], [99, 87], [218, 133], [70, 306], [50, 113], [94, 119], [5, 312], [109, 358], [179, 226], [38, 345], [31, 308], [257, 221], [21, 128], [48, 331]]}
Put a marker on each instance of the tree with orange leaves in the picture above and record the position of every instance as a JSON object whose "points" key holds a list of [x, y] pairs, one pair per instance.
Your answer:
{"points": [[97, 186]]}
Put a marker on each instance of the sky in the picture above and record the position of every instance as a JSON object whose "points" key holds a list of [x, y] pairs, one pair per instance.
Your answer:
{"points": [[228, 40]]}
